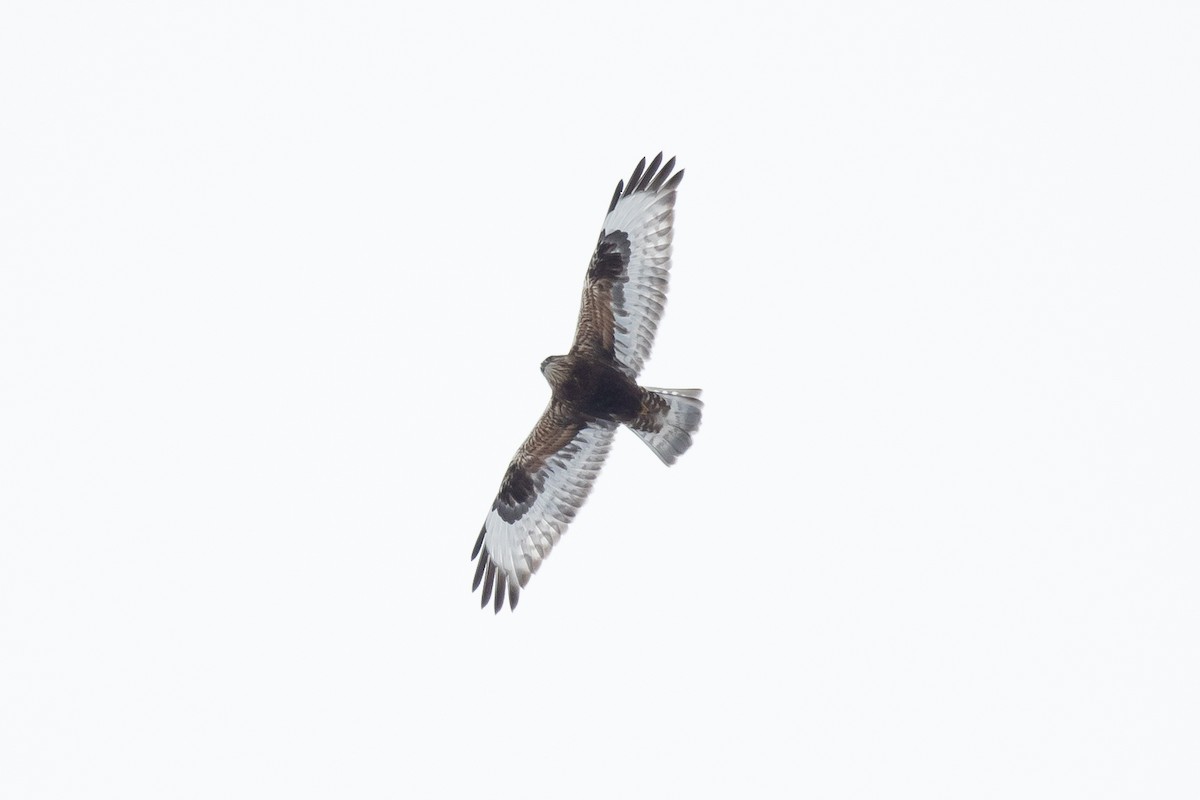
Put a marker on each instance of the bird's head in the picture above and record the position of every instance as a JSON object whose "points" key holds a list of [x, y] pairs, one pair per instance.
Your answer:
{"points": [[551, 366]]}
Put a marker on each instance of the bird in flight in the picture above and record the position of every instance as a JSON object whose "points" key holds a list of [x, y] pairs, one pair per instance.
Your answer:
{"points": [[594, 389]]}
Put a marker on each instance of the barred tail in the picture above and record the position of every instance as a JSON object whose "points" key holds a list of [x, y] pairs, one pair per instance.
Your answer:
{"points": [[669, 418]]}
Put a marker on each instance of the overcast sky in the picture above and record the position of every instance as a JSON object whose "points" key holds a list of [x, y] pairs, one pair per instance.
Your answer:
{"points": [[275, 282]]}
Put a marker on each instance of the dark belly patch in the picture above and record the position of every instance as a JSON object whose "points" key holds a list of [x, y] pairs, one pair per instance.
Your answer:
{"points": [[603, 391]]}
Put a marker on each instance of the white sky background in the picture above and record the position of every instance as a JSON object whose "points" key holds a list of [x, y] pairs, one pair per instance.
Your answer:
{"points": [[275, 282]]}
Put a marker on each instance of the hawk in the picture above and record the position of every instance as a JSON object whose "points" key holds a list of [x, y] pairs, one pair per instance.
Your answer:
{"points": [[594, 389]]}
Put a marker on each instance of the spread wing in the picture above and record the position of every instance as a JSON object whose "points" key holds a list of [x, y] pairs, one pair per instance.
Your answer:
{"points": [[626, 285], [546, 483]]}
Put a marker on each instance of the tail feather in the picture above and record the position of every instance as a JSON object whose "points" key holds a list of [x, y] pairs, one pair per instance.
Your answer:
{"points": [[668, 429]]}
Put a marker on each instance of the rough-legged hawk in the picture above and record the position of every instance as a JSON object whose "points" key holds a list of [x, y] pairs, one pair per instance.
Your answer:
{"points": [[594, 388]]}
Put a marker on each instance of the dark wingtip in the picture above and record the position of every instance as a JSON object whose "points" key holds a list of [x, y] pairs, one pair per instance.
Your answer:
{"points": [[514, 594], [499, 592], [663, 174], [479, 542], [487, 584], [674, 182], [483, 562], [616, 195], [650, 173], [635, 177]]}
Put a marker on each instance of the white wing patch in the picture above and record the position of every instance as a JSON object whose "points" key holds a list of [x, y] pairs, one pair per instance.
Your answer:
{"points": [[510, 552], [646, 213]]}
